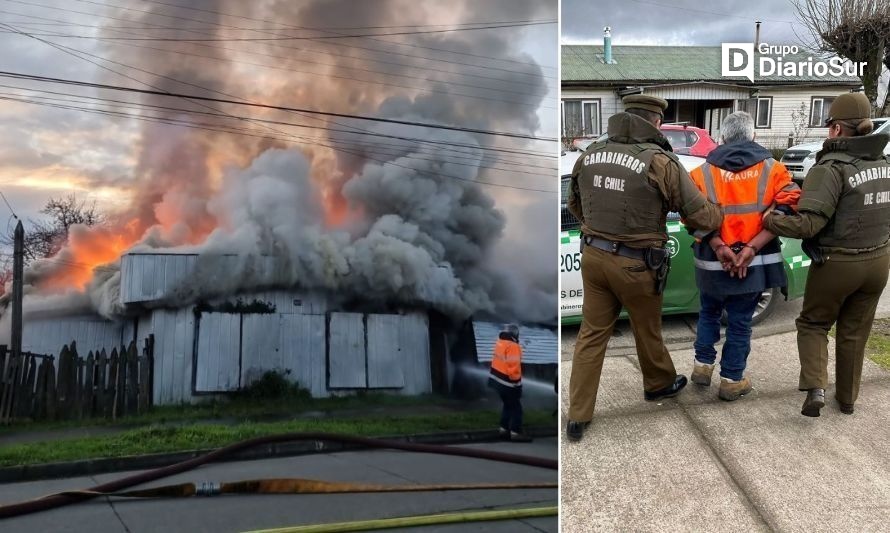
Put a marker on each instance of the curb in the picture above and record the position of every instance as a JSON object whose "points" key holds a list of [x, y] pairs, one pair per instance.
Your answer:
{"points": [[88, 467]]}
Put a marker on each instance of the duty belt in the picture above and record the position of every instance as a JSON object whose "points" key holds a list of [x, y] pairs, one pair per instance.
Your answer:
{"points": [[614, 247]]}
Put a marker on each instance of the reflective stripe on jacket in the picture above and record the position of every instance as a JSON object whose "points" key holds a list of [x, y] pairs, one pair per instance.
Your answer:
{"points": [[744, 196], [506, 365]]}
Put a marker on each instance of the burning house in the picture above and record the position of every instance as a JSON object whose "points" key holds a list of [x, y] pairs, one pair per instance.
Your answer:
{"points": [[343, 251], [223, 345]]}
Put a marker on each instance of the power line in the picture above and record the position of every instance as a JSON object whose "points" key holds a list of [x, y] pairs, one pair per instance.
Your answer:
{"points": [[11, 210], [512, 71], [295, 38], [437, 144], [347, 78], [364, 156], [292, 26], [152, 27], [64, 81], [252, 133], [70, 51], [694, 10]]}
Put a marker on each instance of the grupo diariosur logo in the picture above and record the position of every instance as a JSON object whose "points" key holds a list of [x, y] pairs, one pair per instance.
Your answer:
{"points": [[738, 59]]}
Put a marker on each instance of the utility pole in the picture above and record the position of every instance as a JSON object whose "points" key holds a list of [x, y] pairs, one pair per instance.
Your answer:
{"points": [[18, 270]]}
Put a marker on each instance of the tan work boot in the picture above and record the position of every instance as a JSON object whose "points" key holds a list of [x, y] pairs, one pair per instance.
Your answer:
{"points": [[733, 390], [701, 374]]}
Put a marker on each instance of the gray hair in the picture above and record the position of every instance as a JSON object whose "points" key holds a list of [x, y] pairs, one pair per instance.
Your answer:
{"points": [[737, 127]]}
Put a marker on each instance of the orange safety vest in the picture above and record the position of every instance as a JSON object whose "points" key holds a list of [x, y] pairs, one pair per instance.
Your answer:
{"points": [[506, 365], [745, 195]]}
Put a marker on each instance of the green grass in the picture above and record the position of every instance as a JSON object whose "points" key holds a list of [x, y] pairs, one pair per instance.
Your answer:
{"points": [[878, 346], [240, 408], [158, 439]]}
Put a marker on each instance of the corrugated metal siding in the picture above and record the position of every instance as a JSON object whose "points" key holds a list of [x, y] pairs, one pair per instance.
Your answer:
{"points": [[302, 349], [385, 358], [92, 333], [346, 354], [219, 353], [539, 345], [285, 342], [286, 302], [414, 343], [147, 277], [174, 332], [260, 346]]}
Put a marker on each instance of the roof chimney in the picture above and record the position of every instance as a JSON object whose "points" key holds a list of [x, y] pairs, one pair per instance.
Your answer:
{"points": [[607, 45], [757, 35]]}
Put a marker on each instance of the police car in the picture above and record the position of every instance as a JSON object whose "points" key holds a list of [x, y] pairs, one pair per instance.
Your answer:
{"points": [[799, 159], [681, 292]]}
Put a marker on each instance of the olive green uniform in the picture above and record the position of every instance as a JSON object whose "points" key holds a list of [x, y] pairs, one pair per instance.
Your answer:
{"points": [[621, 191], [844, 215]]}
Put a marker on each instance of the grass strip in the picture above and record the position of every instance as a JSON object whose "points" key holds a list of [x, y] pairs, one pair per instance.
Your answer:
{"points": [[163, 439]]}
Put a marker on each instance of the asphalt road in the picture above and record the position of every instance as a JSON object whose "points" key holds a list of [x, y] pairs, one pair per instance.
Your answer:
{"points": [[244, 513]]}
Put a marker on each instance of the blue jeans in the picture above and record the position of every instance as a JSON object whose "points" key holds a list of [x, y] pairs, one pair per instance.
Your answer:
{"points": [[739, 310]]}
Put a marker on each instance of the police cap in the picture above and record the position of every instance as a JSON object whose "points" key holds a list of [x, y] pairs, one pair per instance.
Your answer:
{"points": [[849, 106], [645, 101]]}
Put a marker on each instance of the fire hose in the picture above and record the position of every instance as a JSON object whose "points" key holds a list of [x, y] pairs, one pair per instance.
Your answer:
{"points": [[68, 497], [422, 520]]}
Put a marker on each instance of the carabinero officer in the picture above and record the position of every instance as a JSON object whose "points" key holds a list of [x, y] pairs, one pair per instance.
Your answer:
{"points": [[621, 191], [844, 218]]}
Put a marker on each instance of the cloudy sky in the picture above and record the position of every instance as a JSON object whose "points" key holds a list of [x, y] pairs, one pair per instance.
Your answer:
{"points": [[679, 22]]}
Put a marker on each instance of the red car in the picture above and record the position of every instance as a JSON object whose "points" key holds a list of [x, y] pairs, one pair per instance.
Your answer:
{"points": [[688, 140]]}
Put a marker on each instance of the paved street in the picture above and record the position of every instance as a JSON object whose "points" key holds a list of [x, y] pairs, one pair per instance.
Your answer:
{"points": [[695, 463], [241, 513]]}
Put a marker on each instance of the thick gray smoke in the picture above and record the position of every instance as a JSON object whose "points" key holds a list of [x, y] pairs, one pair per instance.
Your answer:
{"points": [[396, 225]]}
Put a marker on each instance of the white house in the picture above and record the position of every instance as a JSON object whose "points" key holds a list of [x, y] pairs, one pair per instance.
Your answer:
{"points": [[689, 78]]}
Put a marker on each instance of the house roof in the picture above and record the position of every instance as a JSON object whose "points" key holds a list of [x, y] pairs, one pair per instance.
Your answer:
{"points": [[583, 64]]}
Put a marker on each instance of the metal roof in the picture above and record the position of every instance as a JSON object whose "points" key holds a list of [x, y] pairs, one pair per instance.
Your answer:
{"points": [[540, 346], [648, 64]]}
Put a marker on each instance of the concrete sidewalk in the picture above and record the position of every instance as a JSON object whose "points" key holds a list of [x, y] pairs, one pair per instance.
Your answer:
{"points": [[695, 463]]}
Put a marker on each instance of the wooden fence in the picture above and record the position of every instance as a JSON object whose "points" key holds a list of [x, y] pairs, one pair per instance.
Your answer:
{"points": [[98, 385]]}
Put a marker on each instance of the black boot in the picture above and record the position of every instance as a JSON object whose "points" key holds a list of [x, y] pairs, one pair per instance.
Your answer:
{"points": [[668, 392], [814, 403], [846, 408], [575, 430]]}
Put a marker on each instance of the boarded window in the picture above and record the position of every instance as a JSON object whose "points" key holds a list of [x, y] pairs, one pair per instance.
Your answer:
{"points": [[218, 366], [385, 359], [346, 352]]}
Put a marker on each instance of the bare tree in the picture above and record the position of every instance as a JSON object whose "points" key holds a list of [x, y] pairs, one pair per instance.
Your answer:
{"points": [[800, 123], [44, 238], [857, 30]]}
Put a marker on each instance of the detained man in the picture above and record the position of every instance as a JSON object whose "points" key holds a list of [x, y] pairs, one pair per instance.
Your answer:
{"points": [[737, 263]]}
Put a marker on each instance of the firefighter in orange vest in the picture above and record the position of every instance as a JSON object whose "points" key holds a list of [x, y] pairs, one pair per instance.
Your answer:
{"points": [[741, 260], [506, 377]]}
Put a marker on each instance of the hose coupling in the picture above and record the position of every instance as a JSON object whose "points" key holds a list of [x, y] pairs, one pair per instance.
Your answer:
{"points": [[208, 488]]}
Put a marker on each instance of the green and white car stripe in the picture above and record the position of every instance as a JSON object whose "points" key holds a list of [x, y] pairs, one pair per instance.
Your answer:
{"points": [[798, 262]]}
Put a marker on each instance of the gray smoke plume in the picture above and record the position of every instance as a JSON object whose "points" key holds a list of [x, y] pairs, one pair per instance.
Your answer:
{"points": [[397, 225]]}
